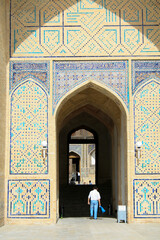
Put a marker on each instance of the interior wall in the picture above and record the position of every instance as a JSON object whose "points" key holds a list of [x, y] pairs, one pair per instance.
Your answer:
{"points": [[123, 143], [115, 168], [3, 83]]}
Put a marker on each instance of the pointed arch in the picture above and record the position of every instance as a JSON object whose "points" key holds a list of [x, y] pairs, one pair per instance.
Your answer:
{"points": [[105, 104], [106, 91], [32, 80], [146, 82], [74, 152], [29, 113]]}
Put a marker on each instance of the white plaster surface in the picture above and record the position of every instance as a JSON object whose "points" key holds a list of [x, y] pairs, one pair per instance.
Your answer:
{"points": [[82, 229]]}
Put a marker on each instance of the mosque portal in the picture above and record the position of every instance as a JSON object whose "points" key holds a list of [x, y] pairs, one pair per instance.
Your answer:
{"points": [[90, 154]]}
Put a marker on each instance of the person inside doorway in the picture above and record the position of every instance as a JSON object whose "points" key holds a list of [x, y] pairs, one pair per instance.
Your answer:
{"points": [[94, 199], [90, 183], [78, 177]]}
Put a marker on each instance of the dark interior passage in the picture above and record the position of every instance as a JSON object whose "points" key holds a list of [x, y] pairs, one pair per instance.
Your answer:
{"points": [[73, 198]]}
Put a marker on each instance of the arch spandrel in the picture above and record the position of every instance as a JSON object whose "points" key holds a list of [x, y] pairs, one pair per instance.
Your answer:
{"points": [[144, 71], [22, 71], [75, 150], [112, 75]]}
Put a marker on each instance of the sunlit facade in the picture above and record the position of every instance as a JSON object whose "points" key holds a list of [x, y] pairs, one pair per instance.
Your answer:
{"points": [[83, 77]]}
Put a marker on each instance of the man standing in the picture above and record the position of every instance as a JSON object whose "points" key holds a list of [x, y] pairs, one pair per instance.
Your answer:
{"points": [[78, 177], [93, 200]]}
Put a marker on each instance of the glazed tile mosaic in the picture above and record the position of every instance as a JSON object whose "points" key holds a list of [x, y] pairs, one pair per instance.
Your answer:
{"points": [[29, 198], [77, 148], [146, 198], [143, 71], [79, 28], [113, 74], [22, 70], [147, 127], [29, 127]]}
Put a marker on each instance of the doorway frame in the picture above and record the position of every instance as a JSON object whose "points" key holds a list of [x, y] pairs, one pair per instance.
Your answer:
{"points": [[105, 91], [84, 141]]}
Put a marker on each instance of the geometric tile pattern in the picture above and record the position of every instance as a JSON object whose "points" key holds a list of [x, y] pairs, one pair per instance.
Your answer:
{"points": [[29, 198], [143, 71], [113, 74], [29, 127], [146, 193], [21, 71], [147, 127], [71, 28]]}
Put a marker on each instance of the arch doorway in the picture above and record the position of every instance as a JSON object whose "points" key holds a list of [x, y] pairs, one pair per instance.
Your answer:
{"points": [[82, 167], [74, 168], [97, 110]]}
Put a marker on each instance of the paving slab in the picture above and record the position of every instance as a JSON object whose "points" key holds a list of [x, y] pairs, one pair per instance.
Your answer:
{"points": [[82, 229]]}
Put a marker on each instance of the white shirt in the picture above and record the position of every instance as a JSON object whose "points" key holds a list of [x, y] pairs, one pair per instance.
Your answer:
{"points": [[94, 195]]}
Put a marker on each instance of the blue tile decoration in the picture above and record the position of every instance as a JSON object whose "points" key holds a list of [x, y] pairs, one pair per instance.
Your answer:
{"points": [[28, 198], [91, 147], [113, 74], [146, 196], [80, 28], [143, 71], [76, 148], [28, 128], [147, 127], [23, 70]]}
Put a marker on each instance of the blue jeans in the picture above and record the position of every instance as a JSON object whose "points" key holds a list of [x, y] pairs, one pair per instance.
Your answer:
{"points": [[94, 208]]}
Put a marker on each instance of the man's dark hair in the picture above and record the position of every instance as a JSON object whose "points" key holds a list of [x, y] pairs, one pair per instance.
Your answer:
{"points": [[95, 187]]}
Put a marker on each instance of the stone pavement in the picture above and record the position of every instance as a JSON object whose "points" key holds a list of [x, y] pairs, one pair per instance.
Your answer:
{"points": [[82, 229]]}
